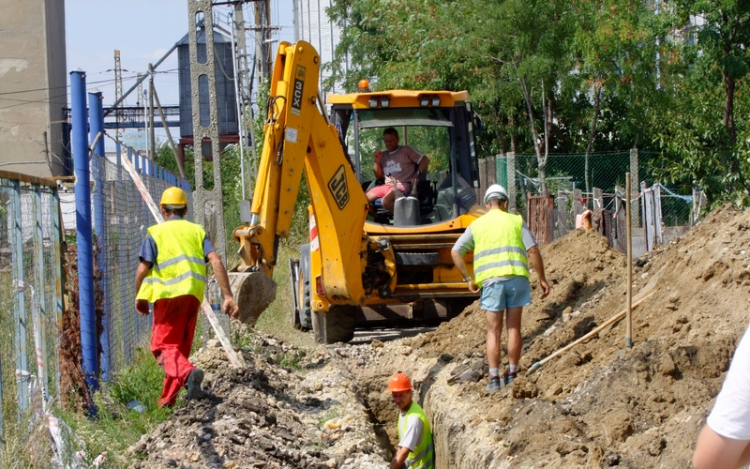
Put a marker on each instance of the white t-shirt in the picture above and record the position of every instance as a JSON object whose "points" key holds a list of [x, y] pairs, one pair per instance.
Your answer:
{"points": [[730, 416], [414, 431], [401, 164]]}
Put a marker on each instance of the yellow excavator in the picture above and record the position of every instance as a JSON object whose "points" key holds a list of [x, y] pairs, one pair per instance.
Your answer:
{"points": [[359, 270]]}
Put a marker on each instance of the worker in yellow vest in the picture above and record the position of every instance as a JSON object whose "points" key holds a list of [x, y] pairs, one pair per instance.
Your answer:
{"points": [[172, 276], [415, 447], [503, 248]]}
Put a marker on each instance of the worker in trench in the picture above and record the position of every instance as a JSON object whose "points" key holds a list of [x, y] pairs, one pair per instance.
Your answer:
{"points": [[503, 248], [172, 276], [415, 447]]}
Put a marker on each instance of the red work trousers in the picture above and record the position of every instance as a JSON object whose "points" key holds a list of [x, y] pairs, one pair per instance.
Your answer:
{"points": [[171, 340]]}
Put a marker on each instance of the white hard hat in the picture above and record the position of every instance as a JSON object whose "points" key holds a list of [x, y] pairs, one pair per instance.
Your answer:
{"points": [[495, 191]]}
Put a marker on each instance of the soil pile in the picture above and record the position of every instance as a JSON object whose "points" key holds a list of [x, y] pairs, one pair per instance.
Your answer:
{"points": [[600, 404], [266, 415]]}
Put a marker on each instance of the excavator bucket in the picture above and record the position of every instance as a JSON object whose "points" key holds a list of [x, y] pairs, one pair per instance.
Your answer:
{"points": [[253, 292]]}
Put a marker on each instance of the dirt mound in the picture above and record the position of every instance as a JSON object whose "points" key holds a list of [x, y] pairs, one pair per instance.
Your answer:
{"points": [[579, 267], [266, 415], [600, 404]]}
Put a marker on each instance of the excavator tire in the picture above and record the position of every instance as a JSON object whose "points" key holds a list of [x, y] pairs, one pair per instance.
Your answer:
{"points": [[338, 323], [303, 289]]}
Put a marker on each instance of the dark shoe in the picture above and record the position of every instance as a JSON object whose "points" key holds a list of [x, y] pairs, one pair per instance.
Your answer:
{"points": [[508, 378], [193, 384], [494, 384]]}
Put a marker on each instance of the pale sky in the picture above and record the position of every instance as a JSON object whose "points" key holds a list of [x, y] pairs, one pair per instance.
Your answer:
{"points": [[143, 31]]}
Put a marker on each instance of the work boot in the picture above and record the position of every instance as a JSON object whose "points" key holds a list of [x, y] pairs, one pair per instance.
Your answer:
{"points": [[508, 377], [193, 384], [494, 384]]}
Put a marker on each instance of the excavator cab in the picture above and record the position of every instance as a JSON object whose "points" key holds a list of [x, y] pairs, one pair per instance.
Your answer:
{"points": [[436, 123]]}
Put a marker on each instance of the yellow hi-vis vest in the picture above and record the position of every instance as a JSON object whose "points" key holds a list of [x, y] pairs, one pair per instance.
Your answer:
{"points": [[498, 246], [423, 456], [180, 267]]}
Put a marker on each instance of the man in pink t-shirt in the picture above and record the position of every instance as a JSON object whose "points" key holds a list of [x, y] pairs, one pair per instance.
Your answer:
{"points": [[401, 165]]}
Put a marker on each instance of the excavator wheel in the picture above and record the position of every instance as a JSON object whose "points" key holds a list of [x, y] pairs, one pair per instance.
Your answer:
{"points": [[336, 325]]}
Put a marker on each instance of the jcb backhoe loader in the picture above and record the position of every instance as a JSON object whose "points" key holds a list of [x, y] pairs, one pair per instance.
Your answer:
{"points": [[355, 271]]}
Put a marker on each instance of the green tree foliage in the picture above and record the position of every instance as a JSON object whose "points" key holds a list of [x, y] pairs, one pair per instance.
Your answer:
{"points": [[574, 76]]}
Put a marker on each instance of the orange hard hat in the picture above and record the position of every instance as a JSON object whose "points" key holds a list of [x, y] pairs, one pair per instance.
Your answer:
{"points": [[399, 383]]}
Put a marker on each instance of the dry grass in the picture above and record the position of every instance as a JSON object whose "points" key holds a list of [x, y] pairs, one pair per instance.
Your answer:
{"points": [[277, 318]]}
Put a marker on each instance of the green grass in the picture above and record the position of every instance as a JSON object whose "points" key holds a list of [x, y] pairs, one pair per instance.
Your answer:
{"points": [[116, 427], [276, 320]]}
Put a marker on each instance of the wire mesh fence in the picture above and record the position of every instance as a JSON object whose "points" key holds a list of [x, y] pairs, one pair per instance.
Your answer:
{"points": [[577, 182], [31, 299], [125, 221]]}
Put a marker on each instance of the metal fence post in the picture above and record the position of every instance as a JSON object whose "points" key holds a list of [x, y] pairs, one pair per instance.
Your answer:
{"points": [[83, 229], [635, 213], [40, 282], [510, 161], [19, 305], [98, 161], [56, 236]]}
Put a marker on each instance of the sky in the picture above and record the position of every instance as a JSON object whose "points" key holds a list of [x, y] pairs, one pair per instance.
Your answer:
{"points": [[143, 31]]}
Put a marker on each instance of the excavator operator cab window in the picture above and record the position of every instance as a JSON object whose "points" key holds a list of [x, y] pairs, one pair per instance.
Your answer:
{"points": [[444, 135]]}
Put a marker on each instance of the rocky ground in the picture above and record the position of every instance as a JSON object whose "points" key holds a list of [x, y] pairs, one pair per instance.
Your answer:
{"points": [[600, 404]]}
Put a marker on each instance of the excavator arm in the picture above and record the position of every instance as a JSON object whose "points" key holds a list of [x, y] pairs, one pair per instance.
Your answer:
{"points": [[299, 138]]}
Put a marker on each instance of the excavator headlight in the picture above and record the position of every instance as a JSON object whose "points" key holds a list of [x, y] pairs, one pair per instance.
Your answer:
{"points": [[373, 102], [424, 101], [436, 101], [385, 101]]}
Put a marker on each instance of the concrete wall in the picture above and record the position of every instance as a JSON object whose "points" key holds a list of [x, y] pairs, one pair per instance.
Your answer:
{"points": [[33, 86]]}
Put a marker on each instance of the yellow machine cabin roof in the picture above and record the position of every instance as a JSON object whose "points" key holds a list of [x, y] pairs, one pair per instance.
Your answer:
{"points": [[399, 98]]}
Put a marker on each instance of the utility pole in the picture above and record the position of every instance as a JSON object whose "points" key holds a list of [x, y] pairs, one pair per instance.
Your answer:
{"points": [[118, 94], [208, 203], [152, 134], [140, 115], [263, 39]]}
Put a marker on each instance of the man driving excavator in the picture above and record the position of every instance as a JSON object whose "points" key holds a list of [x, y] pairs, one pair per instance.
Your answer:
{"points": [[401, 165]]}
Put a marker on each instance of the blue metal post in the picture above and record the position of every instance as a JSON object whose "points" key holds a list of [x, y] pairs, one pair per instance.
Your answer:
{"points": [[19, 305], [83, 228], [98, 161]]}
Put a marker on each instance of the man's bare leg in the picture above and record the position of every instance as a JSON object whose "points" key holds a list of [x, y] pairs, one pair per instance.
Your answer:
{"points": [[494, 331], [515, 341]]}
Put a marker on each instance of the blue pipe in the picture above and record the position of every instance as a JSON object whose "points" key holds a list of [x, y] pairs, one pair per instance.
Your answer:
{"points": [[96, 117], [79, 124]]}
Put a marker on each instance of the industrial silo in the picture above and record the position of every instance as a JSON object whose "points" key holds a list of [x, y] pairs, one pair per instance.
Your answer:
{"points": [[228, 126]]}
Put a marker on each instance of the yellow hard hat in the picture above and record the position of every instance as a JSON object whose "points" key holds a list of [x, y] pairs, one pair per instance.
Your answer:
{"points": [[173, 196]]}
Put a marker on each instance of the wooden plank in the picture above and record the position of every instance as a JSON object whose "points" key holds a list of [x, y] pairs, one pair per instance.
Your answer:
{"points": [[27, 179], [562, 214], [598, 199]]}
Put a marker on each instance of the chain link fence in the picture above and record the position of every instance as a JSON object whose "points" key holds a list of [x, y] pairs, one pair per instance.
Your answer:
{"points": [[126, 219], [31, 300], [578, 182]]}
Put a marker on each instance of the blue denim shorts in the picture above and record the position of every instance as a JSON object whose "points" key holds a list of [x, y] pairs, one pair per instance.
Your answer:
{"points": [[506, 294]]}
